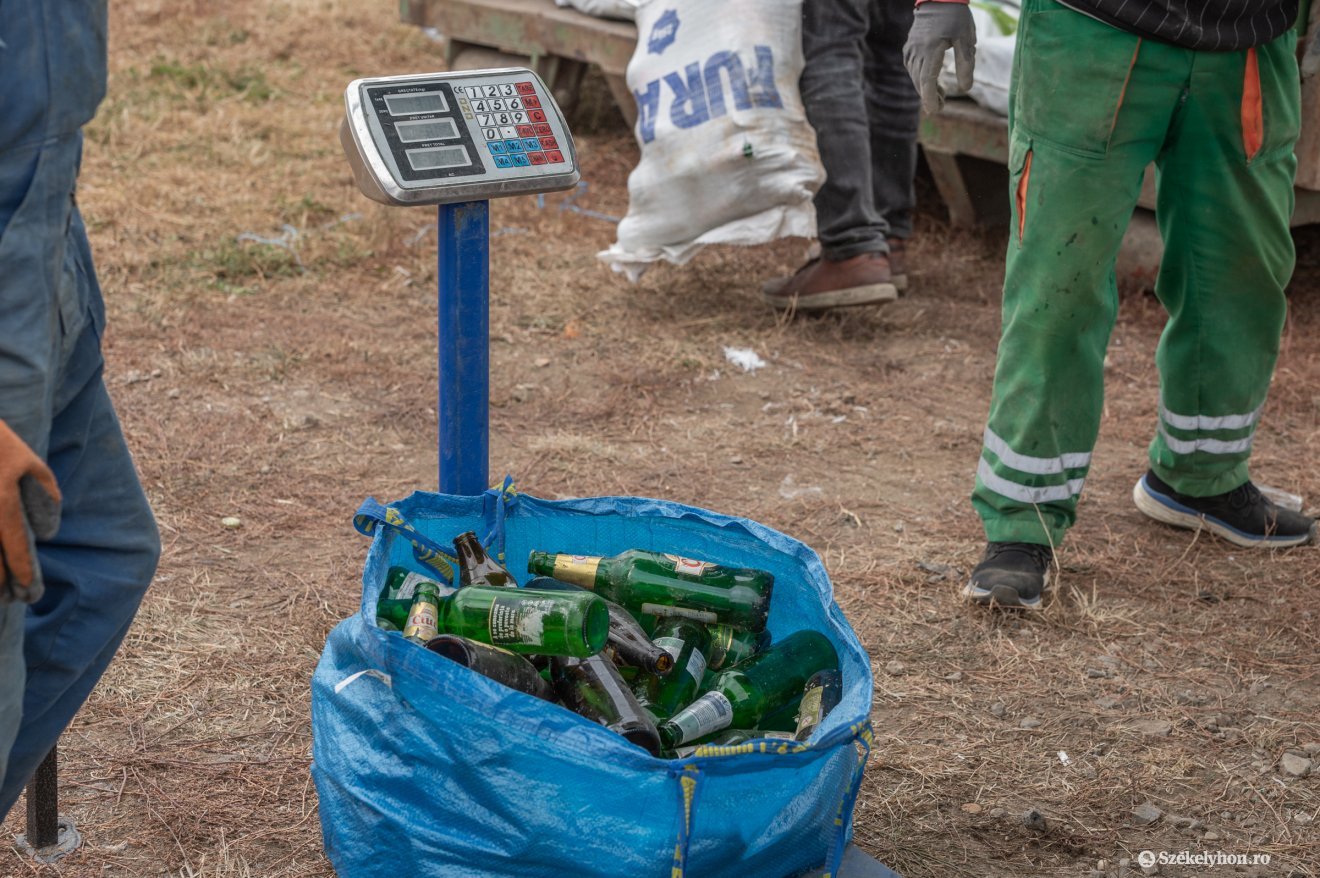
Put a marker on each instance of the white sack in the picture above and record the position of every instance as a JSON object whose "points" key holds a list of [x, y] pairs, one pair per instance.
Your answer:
{"points": [[727, 154]]}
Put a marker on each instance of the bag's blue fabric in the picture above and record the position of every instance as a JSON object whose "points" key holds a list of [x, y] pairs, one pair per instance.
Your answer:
{"points": [[424, 768]]}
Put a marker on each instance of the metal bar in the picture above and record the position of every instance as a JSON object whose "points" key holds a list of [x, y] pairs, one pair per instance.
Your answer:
{"points": [[463, 408], [43, 803]]}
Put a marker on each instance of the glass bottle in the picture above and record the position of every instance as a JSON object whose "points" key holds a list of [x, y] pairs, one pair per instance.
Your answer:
{"points": [[626, 637], [498, 664], [741, 696], [666, 584], [523, 620], [475, 567], [821, 695], [593, 688], [688, 643]]}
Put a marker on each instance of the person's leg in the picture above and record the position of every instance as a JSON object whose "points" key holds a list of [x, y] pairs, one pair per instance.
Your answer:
{"points": [[853, 268], [98, 566], [834, 34], [1225, 200], [1084, 126], [893, 111]]}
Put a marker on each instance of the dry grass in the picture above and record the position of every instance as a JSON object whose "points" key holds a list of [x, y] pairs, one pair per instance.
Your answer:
{"points": [[283, 385]]}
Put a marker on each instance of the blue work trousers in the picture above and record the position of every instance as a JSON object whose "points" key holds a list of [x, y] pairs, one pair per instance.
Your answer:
{"points": [[860, 99], [53, 395]]}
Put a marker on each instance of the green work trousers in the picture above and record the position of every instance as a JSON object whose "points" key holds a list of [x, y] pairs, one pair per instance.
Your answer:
{"points": [[1092, 107]]}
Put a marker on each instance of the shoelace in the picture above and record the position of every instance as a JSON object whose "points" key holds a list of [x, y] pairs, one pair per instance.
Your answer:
{"points": [[1039, 554]]}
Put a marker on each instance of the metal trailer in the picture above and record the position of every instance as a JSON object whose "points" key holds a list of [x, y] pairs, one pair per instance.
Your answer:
{"points": [[965, 145]]}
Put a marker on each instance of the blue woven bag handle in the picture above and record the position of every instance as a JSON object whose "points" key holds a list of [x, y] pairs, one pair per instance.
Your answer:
{"points": [[371, 516]]}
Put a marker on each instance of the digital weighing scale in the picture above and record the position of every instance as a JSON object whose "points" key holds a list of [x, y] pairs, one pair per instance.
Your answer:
{"points": [[458, 140]]}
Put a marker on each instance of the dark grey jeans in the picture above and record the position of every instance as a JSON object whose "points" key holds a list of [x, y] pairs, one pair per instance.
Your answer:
{"points": [[862, 103]]}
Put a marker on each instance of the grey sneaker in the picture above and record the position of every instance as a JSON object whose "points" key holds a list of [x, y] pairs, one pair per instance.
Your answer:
{"points": [[1242, 516], [1011, 575]]}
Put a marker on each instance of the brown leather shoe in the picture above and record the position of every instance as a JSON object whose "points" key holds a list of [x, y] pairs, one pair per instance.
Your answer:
{"points": [[822, 284]]}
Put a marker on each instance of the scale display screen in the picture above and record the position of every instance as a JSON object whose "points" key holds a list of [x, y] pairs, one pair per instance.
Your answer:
{"points": [[444, 137], [430, 129], [411, 104]]}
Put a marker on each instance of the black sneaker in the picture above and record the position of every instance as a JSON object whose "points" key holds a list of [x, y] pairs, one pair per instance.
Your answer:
{"points": [[1011, 575], [1243, 515]]}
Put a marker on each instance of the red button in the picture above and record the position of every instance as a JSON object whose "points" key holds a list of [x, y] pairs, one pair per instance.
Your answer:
{"points": [[549, 143], [536, 158], [554, 156], [543, 129], [537, 115], [526, 88], [531, 103], [526, 131]]}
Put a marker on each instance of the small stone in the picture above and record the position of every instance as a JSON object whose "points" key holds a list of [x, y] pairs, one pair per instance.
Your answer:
{"points": [[1211, 836], [1035, 821], [895, 668], [970, 807], [998, 709], [1186, 824], [998, 812], [1096, 673], [541, 362], [231, 521], [1108, 702], [1155, 728], [1303, 818], [735, 460], [1146, 813], [1295, 765], [1029, 722], [1311, 748], [955, 677], [898, 527], [1231, 733]]}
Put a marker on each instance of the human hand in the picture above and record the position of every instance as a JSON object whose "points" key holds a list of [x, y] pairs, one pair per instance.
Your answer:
{"points": [[29, 509], [938, 25]]}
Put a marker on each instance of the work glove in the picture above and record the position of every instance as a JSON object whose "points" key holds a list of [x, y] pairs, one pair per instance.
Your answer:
{"points": [[936, 27], [29, 510]]}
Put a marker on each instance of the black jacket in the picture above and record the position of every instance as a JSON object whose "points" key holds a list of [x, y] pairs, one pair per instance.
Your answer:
{"points": [[1209, 25]]}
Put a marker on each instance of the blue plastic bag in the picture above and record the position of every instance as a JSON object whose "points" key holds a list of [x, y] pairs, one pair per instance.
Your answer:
{"points": [[425, 768]]}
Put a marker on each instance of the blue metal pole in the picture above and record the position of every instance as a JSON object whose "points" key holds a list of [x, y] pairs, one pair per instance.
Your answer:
{"points": [[464, 359]]}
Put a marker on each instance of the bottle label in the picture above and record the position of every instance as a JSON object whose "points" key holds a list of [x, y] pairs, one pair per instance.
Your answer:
{"points": [[422, 621], [704, 616], [809, 710], [577, 569], [696, 666], [778, 736], [708, 714], [519, 620], [689, 566], [671, 645]]}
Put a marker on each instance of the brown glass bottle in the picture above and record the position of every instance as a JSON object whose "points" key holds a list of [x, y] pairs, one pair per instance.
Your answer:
{"points": [[475, 567], [592, 687], [500, 665]]}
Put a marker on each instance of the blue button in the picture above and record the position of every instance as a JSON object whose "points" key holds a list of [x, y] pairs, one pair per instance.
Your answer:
{"points": [[496, 148], [531, 144], [520, 160], [514, 145], [504, 161]]}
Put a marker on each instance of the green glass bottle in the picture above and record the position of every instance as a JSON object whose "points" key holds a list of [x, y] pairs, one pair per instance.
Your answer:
{"points": [[524, 620], [688, 642], [821, 695], [741, 696], [730, 646], [593, 688], [783, 718], [668, 585], [500, 665], [396, 598], [627, 639], [424, 614], [475, 567]]}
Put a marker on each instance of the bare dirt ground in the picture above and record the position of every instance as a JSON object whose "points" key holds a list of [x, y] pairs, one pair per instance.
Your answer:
{"points": [[284, 384]]}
